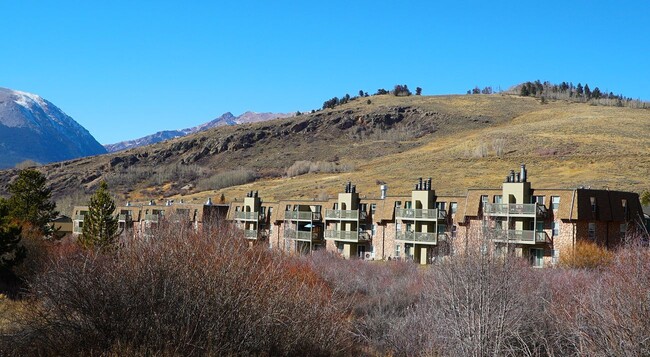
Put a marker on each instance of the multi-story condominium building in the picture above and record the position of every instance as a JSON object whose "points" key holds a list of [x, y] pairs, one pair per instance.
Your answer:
{"points": [[141, 221], [251, 217], [540, 224]]}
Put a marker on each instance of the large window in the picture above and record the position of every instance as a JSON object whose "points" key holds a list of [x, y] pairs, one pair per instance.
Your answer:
{"points": [[592, 230], [555, 202], [441, 205], [498, 198], [556, 228], [453, 207], [398, 250], [484, 200], [538, 199]]}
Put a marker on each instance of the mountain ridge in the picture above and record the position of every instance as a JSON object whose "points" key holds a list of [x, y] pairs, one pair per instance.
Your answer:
{"points": [[32, 128], [225, 119]]}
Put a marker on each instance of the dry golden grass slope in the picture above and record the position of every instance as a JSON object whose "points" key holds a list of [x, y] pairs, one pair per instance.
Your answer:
{"points": [[564, 145], [462, 142]]}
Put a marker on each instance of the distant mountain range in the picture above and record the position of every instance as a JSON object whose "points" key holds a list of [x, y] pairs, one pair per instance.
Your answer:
{"points": [[32, 128], [225, 119]]}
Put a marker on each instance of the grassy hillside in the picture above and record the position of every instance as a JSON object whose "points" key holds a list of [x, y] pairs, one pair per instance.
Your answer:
{"points": [[459, 141]]}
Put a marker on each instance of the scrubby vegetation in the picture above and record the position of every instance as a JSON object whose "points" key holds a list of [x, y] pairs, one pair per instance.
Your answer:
{"points": [[187, 293], [568, 91], [304, 167]]}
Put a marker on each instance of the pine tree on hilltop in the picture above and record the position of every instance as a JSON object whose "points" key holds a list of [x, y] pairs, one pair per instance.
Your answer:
{"points": [[100, 225]]}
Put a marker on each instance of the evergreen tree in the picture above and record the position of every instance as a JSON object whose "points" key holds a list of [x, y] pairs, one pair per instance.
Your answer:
{"points": [[587, 91], [31, 201], [11, 252], [100, 224]]}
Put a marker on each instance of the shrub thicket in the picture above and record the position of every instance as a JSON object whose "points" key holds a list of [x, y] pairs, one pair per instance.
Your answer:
{"points": [[181, 294]]}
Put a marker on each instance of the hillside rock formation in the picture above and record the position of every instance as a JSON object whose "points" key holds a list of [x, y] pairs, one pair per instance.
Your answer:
{"points": [[225, 119]]}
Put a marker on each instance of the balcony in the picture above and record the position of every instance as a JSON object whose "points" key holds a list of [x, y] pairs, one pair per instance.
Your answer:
{"points": [[348, 236], [301, 235], [417, 237], [420, 214], [79, 217], [250, 233], [514, 209], [338, 214], [247, 216], [77, 229], [124, 218], [152, 218], [302, 215], [519, 236]]}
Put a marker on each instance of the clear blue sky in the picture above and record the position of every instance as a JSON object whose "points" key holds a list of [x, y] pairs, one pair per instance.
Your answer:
{"points": [[125, 69]]}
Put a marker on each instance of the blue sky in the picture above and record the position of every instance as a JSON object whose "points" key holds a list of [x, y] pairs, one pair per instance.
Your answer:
{"points": [[125, 69]]}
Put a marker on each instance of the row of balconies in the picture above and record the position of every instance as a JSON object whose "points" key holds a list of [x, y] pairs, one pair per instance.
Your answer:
{"points": [[302, 215]]}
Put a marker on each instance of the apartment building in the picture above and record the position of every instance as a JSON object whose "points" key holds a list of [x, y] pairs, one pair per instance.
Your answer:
{"points": [[540, 224], [142, 220]]}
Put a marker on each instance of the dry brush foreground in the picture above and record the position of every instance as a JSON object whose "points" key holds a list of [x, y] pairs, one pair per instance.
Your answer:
{"points": [[181, 293]]}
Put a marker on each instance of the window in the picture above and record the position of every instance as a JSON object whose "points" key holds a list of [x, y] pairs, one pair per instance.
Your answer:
{"points": [[398, 204], [407, 204], [556, 228], [374, 229], [623, 230], [288, 208], [408, 227], [441, 205], [236, 209], [555, 202], [363, 207], [592, 230], [336, 206], [442, 228], [373, 208], [624, 204], [593, 204], [498, 198], [537, 257], [453, 207], [538, 199], [454, 231], [398, 249], [484, 200], [398, 227]]}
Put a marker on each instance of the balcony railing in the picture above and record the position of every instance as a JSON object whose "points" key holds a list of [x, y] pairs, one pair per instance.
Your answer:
{"points": [[250, 233], [514, 209], [247, 216], [302, 215], [79, 217], [418, 237], [152, 217], [124, 217], [519, 236], [426, 214], [345, 214], [301, 235], [77, 229], [349, 236]]}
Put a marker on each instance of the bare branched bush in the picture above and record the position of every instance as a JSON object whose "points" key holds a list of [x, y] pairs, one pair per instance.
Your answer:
{"points": [[227, 179], [181, 293], [586, 255], [303, 167], [498, 145], [155, 175]]}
